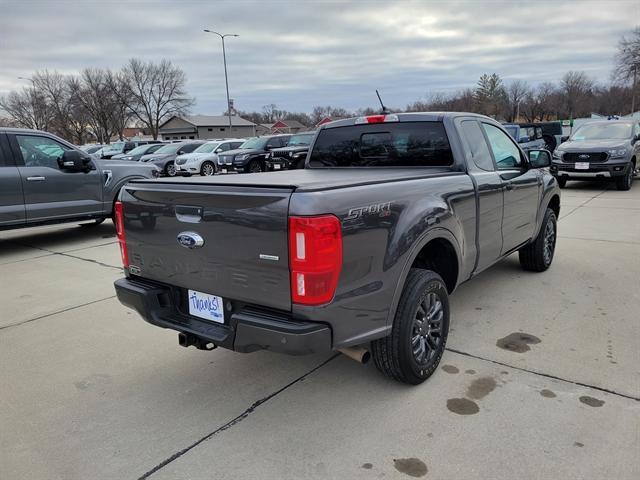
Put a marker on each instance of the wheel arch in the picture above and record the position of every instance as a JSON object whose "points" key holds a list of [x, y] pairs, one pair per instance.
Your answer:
{"points": [[438, 250]]}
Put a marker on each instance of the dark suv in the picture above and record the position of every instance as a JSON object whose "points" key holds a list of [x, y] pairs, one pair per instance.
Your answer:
{"points": [[599, 150], [252, 155], [293, 155]]}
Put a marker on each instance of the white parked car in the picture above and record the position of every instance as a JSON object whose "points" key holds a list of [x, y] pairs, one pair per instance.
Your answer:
{"points": [[204, 159]]}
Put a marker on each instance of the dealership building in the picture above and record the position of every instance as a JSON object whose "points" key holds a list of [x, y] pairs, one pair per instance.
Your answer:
{"points": [[205, 127]]}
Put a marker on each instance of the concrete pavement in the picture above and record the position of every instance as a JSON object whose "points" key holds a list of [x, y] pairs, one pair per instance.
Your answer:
{"points": [[89, 390]]}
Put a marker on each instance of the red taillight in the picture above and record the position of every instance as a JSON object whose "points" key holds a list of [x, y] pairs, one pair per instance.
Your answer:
{"points": [[119, 217], [315, 258]]}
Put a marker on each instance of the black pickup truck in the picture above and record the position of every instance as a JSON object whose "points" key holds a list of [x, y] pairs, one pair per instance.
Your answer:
{"points": [[357, 252]]}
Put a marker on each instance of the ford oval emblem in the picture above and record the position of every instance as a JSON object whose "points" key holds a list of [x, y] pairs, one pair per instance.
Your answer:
{"points": [[584, 156], [190, 240]]}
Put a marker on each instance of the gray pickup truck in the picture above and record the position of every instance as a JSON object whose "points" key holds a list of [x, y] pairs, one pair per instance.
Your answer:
{"points": [[357, 252], [600, 150], [45, 180]]}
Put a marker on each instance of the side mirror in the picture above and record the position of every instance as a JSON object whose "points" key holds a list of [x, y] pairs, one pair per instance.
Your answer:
{"points": [[181, 152], [524, 139], [218, 150], [635, 139], [74, 161], [539, 158], [564, 138]]}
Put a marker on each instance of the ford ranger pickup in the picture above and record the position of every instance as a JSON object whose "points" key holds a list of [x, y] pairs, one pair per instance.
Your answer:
{"points": [[357, 252]]}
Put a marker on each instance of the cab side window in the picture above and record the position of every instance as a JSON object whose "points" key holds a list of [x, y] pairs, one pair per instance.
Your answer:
{"points": [[40, 151], [476, 145], [505, 152]]}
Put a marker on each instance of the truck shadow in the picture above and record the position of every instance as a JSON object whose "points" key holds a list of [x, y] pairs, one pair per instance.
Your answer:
{"points": [[14, 243]]}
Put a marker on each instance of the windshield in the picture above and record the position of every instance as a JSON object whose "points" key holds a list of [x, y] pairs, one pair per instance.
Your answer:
{"points": [[116, 146], [300, 140], [603, 131], [207, 148], [257, 143], [513, 131], [171, 148], [139, 150]]}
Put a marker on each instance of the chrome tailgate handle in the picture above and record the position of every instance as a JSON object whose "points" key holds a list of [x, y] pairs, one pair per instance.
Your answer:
{"points": [[36, 179], [189, 214]]}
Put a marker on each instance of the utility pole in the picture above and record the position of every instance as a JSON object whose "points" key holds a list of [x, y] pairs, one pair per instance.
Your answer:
{"points": [[226, 79], [633, 89]]}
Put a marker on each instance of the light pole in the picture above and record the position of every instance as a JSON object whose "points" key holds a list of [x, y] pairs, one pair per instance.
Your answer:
{"points": [[226, 79]]}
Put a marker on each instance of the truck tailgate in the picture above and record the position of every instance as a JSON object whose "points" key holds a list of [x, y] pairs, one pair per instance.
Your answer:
{"points": [[244, 256]]}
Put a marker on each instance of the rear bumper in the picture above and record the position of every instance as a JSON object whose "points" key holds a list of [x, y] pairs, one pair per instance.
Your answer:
{"points": [[246, 330]]}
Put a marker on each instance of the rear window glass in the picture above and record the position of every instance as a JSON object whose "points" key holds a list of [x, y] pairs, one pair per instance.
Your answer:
{"points": [[405, 144]]}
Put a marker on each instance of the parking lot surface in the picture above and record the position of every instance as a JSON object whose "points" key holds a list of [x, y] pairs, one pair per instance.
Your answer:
{"points": [[541, 378]]}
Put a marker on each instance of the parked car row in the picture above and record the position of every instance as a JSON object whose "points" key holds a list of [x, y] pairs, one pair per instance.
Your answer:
{"points": [[211, 157]]}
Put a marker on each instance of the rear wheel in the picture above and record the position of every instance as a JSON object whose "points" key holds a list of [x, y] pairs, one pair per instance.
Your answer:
{"points": [[207, 169], [412, 352], [538, 255], [625, 182], [254, 167]]}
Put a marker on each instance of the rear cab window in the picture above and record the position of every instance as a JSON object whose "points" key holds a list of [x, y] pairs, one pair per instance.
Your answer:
{"points": [[398, 144]]}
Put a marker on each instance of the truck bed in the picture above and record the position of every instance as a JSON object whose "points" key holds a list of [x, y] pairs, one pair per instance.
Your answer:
{"points": [[309, 180]]}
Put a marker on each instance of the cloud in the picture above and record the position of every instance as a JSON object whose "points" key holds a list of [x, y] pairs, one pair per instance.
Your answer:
{"points": [[301, 54]]}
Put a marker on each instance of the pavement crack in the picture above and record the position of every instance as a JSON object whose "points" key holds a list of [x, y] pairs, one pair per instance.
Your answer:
{"points": [[547, 375], [234, 421], [66, 254], [55, 313]]}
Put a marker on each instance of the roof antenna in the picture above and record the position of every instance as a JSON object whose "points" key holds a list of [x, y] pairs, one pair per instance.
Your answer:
{"points": [[385, 111]]}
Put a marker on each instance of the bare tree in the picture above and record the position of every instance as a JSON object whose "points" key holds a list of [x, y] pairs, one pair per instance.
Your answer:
{"points": [[516, 92], [28, 108], [106, 113], [577, 88], [152, 92], [628, 61], [319, 113], [69, 120]]}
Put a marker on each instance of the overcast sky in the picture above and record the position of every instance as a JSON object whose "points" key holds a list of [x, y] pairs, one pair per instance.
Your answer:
{"points": [[300, 54]]}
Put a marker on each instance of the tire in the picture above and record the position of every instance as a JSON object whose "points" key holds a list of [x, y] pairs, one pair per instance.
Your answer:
{"points": [[254, 167], [207, 169], [170, 169], [562, 182], [95, 223], [399, 354], [624, 183], [538, 255]]}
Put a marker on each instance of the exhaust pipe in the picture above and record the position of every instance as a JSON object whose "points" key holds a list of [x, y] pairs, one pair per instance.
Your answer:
{"points": [[359, 354]]}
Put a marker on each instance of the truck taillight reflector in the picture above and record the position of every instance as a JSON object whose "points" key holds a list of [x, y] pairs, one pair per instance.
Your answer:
{"points": [[119, 218], [315, 258]]}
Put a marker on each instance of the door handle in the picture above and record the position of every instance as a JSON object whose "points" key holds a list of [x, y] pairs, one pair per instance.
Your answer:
{"points": [[36, 179]]}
